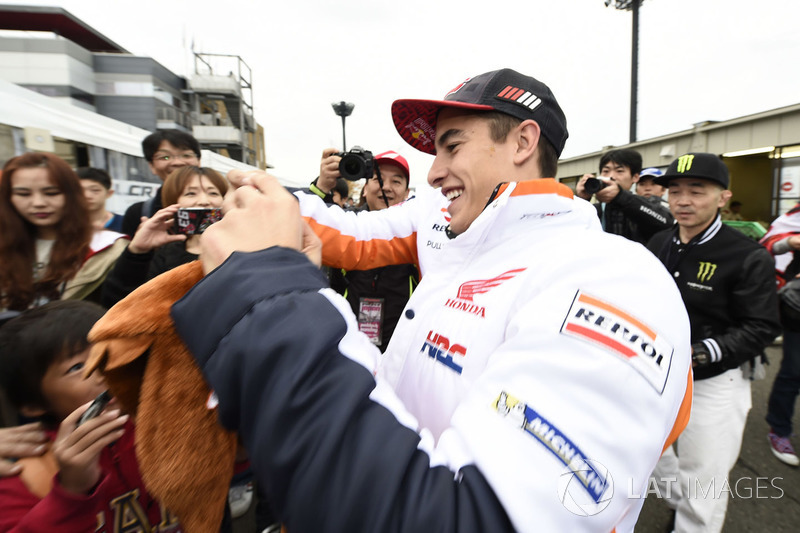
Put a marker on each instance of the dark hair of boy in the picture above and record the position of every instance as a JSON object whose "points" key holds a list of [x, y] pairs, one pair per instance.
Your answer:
{"points": [[97, 175], [38, 338], [342, 188], [177, 138], [627, 158]]}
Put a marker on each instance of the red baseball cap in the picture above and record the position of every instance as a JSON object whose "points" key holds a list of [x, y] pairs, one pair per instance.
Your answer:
{"points": [[506, 91], [393, 158]]}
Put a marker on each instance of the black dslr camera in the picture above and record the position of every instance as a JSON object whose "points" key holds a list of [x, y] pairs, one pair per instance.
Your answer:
{"points": [[356, 164], [592, 185]]}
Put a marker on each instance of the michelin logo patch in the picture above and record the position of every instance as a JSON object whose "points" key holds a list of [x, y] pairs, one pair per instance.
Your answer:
{"points": [[595, 482], [620, 333]]}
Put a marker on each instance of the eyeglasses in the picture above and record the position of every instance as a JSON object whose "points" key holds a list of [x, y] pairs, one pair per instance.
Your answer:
{"points": [[166, 158]]}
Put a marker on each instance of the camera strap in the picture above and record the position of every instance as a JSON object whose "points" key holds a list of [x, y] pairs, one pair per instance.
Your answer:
{"points": [[380, 184]]}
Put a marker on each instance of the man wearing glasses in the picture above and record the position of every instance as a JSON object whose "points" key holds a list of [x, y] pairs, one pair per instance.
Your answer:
{"points": [[165, 151]]}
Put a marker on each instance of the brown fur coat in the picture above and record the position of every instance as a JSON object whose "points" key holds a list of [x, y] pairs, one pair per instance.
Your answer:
{"points": [[186, 458]]}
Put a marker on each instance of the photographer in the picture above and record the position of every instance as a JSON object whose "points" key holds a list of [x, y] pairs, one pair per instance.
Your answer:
{"points": [[621, 212], [376, 296]]}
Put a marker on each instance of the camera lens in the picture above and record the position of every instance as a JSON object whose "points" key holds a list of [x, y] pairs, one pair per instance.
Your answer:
{"points": [[356, 164], [351, 168]]}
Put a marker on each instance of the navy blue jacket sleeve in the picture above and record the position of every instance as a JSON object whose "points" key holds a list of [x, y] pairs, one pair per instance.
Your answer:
{"points": [[330, 457]]}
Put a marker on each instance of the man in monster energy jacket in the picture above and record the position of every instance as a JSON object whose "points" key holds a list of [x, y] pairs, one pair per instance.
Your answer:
{"points": [[728, 287], [621, 212]]}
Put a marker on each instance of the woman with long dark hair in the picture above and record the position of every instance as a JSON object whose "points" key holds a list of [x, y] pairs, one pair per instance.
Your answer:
{"points": [[48, 248]]}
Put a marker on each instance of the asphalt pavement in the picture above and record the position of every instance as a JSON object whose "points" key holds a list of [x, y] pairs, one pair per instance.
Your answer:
{"points": [[768, 490]]}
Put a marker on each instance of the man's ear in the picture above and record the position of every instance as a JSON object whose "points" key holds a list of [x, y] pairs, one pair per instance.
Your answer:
{"points": [[636, 178], [32, 411], [724, 196], [526, 135], [109, 193]]}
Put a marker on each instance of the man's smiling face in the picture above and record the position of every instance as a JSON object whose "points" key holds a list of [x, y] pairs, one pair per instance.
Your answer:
{"points": [[468, 165]]}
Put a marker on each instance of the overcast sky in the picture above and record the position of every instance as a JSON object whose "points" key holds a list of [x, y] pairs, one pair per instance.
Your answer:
{"points": [[699, 60]]}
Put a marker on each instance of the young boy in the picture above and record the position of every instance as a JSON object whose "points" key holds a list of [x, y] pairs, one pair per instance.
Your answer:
{"points": [[89, 479], [97, 189]]}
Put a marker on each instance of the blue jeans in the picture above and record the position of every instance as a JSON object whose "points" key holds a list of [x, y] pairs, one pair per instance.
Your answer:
{"points": [[786, 387]]}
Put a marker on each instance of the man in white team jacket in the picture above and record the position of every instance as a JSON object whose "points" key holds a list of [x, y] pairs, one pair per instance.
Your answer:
{"points": [[538, 371]]}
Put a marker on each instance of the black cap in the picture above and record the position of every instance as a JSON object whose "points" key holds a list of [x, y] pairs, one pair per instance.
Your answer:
{"points": [[696, 165], [506, 91]]}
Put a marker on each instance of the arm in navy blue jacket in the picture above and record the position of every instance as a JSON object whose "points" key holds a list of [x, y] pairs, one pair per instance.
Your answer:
{"points": [[330, 454]]}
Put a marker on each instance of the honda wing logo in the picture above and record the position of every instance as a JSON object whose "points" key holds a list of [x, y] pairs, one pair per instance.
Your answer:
{"points": [[466, 292], [470, 288]]}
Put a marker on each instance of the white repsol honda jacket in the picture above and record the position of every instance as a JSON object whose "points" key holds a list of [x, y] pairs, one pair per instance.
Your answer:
{"points": [[539, 370]]}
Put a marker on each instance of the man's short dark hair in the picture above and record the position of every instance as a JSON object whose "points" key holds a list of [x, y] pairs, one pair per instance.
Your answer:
{"points": [[501, 124], [97, 175], [625, 157], [36, 339], [177, 138]]}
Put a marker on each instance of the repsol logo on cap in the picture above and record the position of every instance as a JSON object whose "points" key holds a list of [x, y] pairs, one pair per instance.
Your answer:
{"points": [[620, 333]]}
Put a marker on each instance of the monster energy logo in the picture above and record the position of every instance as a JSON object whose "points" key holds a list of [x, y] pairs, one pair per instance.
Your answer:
{"points": [[706, 271], [685, 163]]}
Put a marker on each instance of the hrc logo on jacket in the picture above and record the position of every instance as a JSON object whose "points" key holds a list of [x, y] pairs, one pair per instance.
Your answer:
{"points": [[440, 349]]}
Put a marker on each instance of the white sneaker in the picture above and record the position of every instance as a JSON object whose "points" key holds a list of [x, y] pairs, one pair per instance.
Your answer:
{"points": [[239, 499]]}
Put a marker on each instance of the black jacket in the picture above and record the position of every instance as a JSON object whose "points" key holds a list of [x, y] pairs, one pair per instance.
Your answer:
{"points": [[132, 270], [634, 217], [391, 284], [133, 215], [727, 282]]}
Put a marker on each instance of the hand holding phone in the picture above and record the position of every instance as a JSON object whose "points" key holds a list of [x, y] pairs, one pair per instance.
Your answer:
{"points": [[96, 408]]}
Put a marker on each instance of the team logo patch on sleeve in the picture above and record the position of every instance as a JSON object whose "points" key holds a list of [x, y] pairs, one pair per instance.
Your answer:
{"points": [[596, 483], [622, 334]]}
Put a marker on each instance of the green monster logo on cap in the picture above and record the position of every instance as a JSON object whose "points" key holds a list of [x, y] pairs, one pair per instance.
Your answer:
{"points": [[685, 163]]}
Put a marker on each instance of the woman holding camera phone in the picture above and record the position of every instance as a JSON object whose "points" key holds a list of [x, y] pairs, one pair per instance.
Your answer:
{"points": [[157, 245]]}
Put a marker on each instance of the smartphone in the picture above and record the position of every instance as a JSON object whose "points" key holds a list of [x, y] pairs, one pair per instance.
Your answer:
{"points": [[195, 220], [96, 408]]}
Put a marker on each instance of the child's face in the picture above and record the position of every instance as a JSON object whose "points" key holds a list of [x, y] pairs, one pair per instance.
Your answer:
{"points": [[95, 194], [64, 388]]}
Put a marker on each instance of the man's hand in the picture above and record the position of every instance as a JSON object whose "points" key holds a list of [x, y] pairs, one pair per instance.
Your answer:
{"points": [[794, 242], [18, 442], [77, 449], [328, 170], [153, 232], [580, 189], [312, 246], [609, 192], [260, 214]]}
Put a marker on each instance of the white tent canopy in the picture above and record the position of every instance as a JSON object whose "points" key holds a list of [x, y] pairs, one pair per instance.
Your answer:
{"points": [[23, 108]]}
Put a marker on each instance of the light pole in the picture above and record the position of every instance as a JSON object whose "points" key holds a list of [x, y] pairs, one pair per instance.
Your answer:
{"points": [[632, 5], [343, 109]]}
